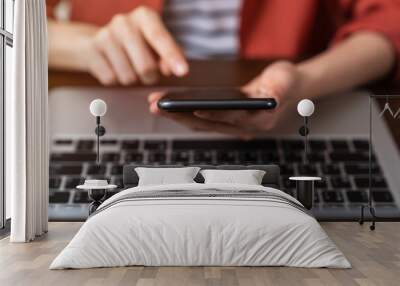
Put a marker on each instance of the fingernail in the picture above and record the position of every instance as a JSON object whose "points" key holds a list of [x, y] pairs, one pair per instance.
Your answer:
{"points": [[150, 78], [107, 79], [180, 68]]}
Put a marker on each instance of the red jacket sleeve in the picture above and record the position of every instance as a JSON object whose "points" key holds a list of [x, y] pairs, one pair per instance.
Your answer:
{"points": [[382, 16], [50, 4]]}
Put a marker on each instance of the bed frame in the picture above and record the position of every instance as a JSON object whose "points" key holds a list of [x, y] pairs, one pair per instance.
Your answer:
{"points": [[131, 178], [270, 179]]}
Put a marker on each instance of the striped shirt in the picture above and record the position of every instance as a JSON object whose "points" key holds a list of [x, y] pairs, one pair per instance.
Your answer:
{"points": [[204, 28]]}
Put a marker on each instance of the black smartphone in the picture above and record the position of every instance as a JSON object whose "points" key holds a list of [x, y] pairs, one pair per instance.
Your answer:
{"points": [[212, 99]]}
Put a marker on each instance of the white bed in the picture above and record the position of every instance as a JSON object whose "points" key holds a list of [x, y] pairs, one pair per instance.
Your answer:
{"points": [[260, 227]]}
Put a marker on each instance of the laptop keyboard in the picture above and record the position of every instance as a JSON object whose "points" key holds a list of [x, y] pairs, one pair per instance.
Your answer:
{"points": [[343, 165]]}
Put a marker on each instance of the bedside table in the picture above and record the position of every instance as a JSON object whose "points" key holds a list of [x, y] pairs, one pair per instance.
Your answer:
{"points": [[97, 191], [305, 190]]}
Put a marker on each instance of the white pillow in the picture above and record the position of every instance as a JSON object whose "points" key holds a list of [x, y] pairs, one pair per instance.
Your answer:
{"points": [[165, 176], [248, 177]]}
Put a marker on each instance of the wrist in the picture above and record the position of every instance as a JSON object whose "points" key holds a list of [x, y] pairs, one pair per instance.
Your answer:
{"points": [[69, 45], [82, 53], [309, 83]]}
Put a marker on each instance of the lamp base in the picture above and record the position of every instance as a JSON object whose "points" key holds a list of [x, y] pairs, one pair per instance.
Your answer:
{"points": [[373, 216], [305, 190], [305, 193], [304, 131], [97, 196]]}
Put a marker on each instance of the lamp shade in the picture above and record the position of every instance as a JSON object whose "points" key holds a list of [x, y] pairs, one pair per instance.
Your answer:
{"points": [[98, 107], [305, 107]]}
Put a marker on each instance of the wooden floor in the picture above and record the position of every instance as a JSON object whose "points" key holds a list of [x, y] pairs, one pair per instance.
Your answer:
{"points": [[375, 257]]}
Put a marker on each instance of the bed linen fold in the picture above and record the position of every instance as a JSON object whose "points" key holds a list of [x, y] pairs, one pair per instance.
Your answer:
{"points": [[201, 225]]}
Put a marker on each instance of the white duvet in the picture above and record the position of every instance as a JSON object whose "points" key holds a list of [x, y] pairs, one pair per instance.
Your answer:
{"points": [[200, 231]]}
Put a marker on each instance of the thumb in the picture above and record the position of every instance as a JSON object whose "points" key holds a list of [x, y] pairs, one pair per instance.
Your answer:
{"points": [[276, 80]]}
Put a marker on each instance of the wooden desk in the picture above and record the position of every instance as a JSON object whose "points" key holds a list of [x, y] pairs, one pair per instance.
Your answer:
{"points": [[202, 73], [210, 73]]}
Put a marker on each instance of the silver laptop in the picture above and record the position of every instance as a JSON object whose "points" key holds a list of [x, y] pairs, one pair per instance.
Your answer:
{"points": [[339, 150]]}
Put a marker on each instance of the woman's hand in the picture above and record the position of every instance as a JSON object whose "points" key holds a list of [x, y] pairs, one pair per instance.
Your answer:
{"points": [[132, 47], [281, 81]]}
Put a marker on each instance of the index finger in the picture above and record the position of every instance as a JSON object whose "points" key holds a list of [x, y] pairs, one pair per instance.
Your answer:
{"points": [[155, 96], [161, 41]]}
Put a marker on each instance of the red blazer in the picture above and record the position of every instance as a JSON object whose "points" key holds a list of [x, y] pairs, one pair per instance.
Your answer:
{"points": [[290, 29]]}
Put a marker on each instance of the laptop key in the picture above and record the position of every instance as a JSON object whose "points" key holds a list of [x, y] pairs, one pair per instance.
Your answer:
{"points": [[316, 198], [361, 144], [340, 182], [341, 145], [250, 145], [193, 145], [291, 145], [155, 145], [81, 197], [330, 169], [72, 182], [307, 170], [361, 169], [262, 144], [202, 157], [73, 157], [96, 170], [85, 145], [110, 157], [248, 157], [288, 184], [226, 157], [348, 157], [316, 157], [118, 180], [58, 169], [117, 169], [58, 197], [54, 182], [226, 145], [157, 157], [363, 182], [320, 184], [258, 144], [293, 157], [382, 197], [269, 157], [180, 157], [287, 170], [134, 157], [98, 177], [63, 142], [108, 142], [130, 144], [357, 196], [332, 197], [317, 145]]}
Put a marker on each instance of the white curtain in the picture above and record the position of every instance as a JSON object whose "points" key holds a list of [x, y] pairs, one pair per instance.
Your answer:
{"points": [[26, 123]]}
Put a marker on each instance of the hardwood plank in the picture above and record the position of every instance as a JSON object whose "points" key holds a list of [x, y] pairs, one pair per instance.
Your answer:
{"points": [[375, 257]]}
